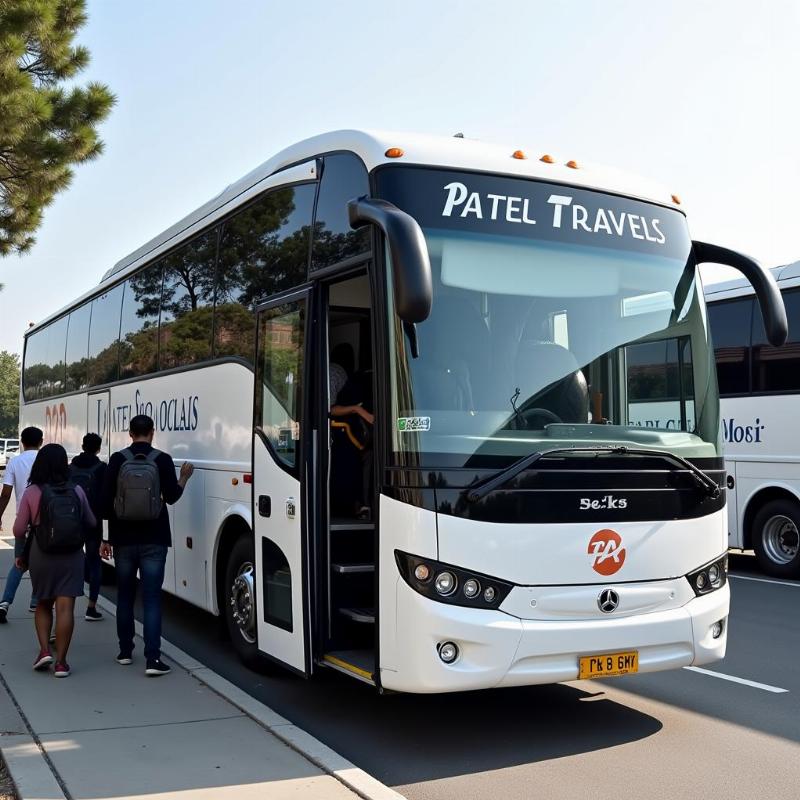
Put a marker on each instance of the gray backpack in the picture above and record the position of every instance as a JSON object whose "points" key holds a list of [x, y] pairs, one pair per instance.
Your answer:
{"points": [[138, 494]]}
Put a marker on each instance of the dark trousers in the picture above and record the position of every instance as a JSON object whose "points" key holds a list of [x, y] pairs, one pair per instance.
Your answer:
{"points": [[93, 568], [149, 560]]}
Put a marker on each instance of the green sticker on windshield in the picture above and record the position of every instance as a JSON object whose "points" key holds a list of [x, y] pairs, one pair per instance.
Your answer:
{"points": [[413, 424]]}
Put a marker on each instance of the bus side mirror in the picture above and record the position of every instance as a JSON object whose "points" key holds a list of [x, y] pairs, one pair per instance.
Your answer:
{"points": [[411, 266], [769, 295]]}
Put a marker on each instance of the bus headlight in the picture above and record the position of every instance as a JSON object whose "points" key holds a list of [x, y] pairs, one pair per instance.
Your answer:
{"points": [[440, 582], [710, 577], [445, 583]]}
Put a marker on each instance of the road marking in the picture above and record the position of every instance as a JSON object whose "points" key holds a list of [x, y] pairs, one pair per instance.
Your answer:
{"points": [[765, 686], [763, 580]]}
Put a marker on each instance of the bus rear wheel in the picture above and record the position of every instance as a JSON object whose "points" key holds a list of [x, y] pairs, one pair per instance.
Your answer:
{"points": [[239, 602], [776, 538]]}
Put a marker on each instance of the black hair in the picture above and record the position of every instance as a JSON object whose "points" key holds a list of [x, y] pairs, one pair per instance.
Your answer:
{"points": [[343, 355], [92, 443], [141, 425], [31, 437], [50, 466]]}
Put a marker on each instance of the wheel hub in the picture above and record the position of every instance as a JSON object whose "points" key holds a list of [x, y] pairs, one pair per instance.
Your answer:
{"points": [[241, 601], [781, 539]]}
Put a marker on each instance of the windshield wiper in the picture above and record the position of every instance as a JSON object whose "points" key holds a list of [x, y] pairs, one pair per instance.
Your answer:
{"points": [[479, 490]]}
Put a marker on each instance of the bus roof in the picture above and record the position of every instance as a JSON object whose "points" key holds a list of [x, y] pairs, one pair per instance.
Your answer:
{"points": [[453, 152], [786, 276]]}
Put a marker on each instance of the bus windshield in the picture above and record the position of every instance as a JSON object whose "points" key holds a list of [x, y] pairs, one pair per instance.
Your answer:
{"points": [[545, 334]]}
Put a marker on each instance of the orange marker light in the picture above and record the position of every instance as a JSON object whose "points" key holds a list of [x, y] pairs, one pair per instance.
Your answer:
{"points": [[234, 481], [394, 152], [547, 159], [518, 154], [676, 200], [573, 164]]}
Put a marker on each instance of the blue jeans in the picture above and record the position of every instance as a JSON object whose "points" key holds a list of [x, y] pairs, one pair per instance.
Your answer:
{"points": [[14, 577], [149, 560]]}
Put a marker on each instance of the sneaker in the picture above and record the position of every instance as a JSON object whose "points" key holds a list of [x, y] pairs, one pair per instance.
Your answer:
{"points": [[62, 669], [43, 660], [157, 667], [52, 638], [125, 659], [32, 607], [3, 612], [92, 615]]}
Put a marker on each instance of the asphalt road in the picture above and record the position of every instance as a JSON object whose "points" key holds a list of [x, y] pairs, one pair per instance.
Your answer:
{"points": [[671, 735]]}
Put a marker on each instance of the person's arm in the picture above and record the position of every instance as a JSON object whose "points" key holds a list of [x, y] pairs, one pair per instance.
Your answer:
{"points": [[346, 411], [110, 486], [5, 496], [172, 487], [25, 517], [89, 519]]}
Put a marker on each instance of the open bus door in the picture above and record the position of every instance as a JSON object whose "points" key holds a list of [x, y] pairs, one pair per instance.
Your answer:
{"points": [[279, 476]]}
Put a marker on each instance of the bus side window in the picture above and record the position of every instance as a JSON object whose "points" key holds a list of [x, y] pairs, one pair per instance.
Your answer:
{"points": [[777, 369], [264, 250], [344, 177], [730, 333], [104, 337]]}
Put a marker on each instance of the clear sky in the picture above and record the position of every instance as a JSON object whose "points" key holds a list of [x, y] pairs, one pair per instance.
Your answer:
{"points": [[698, 94]]}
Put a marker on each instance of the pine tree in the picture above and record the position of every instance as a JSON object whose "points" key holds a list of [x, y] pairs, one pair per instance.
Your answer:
{"points": [[47, 124]]}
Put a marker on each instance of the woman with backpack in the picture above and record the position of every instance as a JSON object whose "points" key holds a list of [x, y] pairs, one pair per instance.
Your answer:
{"points": [[55, 515]]}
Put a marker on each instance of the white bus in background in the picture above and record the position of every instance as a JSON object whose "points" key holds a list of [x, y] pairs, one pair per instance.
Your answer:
{"points": [[511, 518], [760, 399]]}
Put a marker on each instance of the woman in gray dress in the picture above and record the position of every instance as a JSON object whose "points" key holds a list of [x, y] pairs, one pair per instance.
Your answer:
{"points": [[57, 578]]}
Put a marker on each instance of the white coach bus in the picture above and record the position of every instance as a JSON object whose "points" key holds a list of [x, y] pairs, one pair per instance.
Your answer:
{"points": [[505, 520], [760, 389]]}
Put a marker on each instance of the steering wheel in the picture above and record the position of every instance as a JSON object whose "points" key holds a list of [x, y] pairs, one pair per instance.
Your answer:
{"points": [[530, 413]]}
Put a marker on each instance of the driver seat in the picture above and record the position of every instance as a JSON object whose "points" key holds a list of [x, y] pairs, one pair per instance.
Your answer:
{"points": [[550, 377]]}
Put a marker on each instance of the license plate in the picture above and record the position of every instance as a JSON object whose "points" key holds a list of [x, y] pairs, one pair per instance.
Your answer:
{"points": [[607, 665]]}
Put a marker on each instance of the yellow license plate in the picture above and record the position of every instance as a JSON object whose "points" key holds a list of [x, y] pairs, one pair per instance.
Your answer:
{"points": [[607, 665]]}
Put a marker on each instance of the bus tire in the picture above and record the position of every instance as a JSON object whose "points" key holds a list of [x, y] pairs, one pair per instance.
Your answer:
{"points": [[776, 538], [238, 602]]}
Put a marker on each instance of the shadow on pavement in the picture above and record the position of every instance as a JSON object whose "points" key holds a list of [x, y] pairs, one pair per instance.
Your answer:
{"points": [[403, 739]]}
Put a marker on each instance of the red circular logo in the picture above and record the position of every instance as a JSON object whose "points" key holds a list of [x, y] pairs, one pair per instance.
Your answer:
{"points": [[607, 552]]}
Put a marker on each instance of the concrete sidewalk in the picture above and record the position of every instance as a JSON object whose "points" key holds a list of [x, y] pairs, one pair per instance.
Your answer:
{"points": [[108, 731]]}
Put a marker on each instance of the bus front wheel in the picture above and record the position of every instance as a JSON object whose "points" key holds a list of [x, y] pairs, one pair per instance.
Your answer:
{"points": [[239, 602], [776, 538]]}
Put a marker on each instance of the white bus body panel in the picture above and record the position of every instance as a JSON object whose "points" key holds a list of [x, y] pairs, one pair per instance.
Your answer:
{"points": [[762, 451], [523, 643], [202, 415]]}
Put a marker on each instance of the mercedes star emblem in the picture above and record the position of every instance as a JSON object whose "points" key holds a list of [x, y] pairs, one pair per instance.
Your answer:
{"points": [[607, 601]]}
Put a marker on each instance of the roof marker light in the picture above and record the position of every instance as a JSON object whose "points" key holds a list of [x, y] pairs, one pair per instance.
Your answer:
{"points": [[519, 154], [394, 152], [676, 200], [548, 159], [573, 164]]}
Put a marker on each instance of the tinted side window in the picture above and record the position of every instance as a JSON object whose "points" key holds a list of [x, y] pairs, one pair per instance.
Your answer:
{"points": [[138, 337], [78, 348], [187, 303], [730, 332], [344, 177], [264, 250], [35, 371], [777, 369], [104, 337], [56, 364]]}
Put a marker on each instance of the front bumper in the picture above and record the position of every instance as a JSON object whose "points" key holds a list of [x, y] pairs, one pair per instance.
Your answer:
{"points": [[497, 649]]}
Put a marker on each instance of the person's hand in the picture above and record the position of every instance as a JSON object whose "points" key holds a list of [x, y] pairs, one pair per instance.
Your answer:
{"points": [[187, 470], [106, 550], [20, 564], [365, 415]]}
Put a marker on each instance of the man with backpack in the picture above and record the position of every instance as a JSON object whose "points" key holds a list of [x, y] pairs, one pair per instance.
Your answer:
{"points": [[16, 477], [140, 481], [88, 472]]}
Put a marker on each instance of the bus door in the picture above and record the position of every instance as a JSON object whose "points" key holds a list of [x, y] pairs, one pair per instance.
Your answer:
{"points": [[279, 477], [97, 420]]}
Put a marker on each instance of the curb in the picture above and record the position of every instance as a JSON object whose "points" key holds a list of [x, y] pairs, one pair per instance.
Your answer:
{"points": [[318, 753], [28, 768]]}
